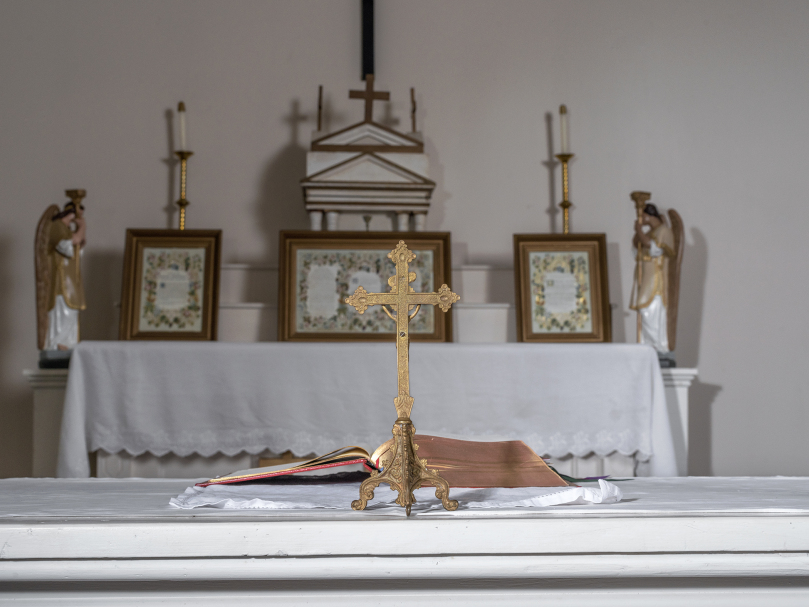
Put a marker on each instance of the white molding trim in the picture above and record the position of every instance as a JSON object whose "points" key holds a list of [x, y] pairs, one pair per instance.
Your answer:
{"points": [[249, 267], [464, 267], [419, 567], [252, 305], [53, 379], [679, 377], [483, 306]]}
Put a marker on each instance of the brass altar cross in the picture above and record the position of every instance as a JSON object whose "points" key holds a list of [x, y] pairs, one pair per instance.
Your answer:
{"points": [[406, 472], [370, 95]]}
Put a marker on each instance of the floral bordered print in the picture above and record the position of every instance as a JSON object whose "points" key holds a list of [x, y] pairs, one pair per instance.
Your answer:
{"points": [[576, 263], [186, 318], [346, 263]]}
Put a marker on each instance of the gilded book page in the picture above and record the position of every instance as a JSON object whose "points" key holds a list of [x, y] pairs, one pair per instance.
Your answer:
{"points": [[560, 292], [172, 284], [465, 463], [325, 277]]}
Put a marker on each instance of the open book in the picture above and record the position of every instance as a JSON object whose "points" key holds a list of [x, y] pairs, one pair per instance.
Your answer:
{"points": [[461, 463]]}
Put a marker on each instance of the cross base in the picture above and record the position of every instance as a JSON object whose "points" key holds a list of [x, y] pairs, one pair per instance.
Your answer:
{"points": [[404, 473]]}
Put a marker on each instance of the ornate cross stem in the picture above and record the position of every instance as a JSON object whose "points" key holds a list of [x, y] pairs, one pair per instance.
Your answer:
{"points": [[406, 472]]}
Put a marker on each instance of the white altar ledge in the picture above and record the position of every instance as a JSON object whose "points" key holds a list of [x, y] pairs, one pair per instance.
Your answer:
{"points": [[207, 398], [695, 541]]}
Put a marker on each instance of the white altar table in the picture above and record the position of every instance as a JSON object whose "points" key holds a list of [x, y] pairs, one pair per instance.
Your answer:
{"points": [[209, 398], [671, 541]]}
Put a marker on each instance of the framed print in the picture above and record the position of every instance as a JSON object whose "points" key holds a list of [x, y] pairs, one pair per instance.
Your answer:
{"points": [[170, 287], [562, 288], [318, 270]]}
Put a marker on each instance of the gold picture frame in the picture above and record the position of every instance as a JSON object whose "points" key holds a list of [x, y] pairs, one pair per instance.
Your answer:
{"points": [[318, 270], [562, 288], [170, 288]]}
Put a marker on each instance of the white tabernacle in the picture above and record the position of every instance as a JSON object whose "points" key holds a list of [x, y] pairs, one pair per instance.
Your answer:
{"points": [[698, 541], [186, 398]]}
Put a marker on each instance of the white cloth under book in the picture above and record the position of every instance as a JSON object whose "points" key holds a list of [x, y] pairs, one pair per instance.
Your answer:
{"points": [[340, 496], [206, 398]]}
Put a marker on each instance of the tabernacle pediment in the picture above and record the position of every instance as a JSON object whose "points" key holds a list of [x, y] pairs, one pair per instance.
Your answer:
{"points": [[367, 168], [367, 137]]}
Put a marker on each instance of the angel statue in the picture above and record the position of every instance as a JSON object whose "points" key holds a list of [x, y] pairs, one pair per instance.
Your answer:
{"points": [[658, 256], [60, 239]]}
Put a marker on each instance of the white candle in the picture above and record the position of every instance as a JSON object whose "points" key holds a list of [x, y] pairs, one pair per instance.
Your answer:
{"points": [[563, 129], [181, 113]]}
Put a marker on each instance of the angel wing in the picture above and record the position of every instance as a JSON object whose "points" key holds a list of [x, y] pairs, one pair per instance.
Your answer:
{"points": [[674, 276], [43, 271]]}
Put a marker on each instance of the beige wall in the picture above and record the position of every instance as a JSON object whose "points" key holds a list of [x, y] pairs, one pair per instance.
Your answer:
{"points": [[706, 104]]}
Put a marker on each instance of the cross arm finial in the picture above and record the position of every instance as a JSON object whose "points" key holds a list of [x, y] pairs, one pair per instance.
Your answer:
{"points": [[361, 299]]}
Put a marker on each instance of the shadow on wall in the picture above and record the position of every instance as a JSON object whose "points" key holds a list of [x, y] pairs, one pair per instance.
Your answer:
{"points": [[700, 400], [619, 312], [438, 201], [551, 163], [388, 119], [689, 329], [16, 412], [171, 161], [693, 274], [279, 205], [435, 218], [101, 272]]}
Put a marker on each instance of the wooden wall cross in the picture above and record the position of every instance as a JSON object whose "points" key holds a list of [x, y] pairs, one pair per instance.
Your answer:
{"points": [[370, 95], [405, 472]]}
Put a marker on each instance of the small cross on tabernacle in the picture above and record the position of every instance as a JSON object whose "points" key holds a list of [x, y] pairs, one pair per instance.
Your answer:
{"points": [[370, 95]]}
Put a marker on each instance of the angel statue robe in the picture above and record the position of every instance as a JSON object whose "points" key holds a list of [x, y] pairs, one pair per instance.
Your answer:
{"points": [[651, 290], [66, 294]]}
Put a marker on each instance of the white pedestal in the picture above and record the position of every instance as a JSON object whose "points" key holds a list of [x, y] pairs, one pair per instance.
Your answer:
{"points": [[49, 397], [316, 220], [677, 381]]}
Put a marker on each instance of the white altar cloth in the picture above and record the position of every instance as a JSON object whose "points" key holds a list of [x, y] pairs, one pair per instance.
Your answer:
{"points": [[340, 495], [695, 541], [206, 398]]}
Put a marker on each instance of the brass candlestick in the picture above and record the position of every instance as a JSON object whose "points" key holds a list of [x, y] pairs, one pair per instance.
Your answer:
{"points": [[565, 204], [76, 197], [183, 155]]}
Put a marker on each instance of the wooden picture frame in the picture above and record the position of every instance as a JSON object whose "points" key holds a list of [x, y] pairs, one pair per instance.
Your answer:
{"points": [[571, 307], [178, 269], [313, 308]]}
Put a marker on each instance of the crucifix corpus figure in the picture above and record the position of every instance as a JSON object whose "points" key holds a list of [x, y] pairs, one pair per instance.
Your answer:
{"points": [[406, 472]]}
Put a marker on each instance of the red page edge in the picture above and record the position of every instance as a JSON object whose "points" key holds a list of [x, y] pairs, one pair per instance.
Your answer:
{"points": [[243, 479]]}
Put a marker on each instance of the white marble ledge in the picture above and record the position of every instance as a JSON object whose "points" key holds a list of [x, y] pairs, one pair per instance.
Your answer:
{"points": [[696, 541], [131, 519], [145, 499]]}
